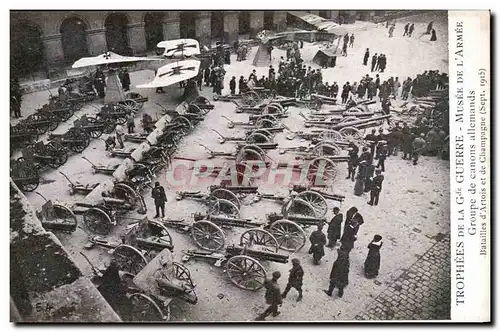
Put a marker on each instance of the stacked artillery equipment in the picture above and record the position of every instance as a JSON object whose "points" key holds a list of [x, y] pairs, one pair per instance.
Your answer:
{"points": [[56, 217]]}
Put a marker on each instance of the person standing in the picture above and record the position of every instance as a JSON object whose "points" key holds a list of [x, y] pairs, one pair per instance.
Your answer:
{"points": [[351, 41], [353, 161], [360, 178], [374, 61], [100, 82], [412, 28], [418, 147], [206, 76], [395, 88], [125, 80], [295, 279], [372, 262], [232, 85], [119, 132], [391, 30], [241, 82], [376, 187], [366, 57], [406, 29], [344, 50], [433, 35], [334, 228], [318, 242], [130, 123], [345, 92], [339, 276], [272, 296], [382, 153], [159, 196], [382, 62], [334, 89]]}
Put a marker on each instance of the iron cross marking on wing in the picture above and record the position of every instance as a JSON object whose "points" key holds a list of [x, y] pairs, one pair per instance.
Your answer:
{"points": [[176, 71], [181, 47], [107, 56]]}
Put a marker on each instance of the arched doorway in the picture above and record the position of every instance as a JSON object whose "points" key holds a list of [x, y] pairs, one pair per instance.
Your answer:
{"points": [[187, 25], [153, 26], [217, 23], [116, 33], [74, 39], [268, 20], [244, 22], [323, 13], [27, 52]]}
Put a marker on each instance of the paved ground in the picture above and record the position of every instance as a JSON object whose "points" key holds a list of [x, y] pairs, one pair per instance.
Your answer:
{"points": [[421, 293]]}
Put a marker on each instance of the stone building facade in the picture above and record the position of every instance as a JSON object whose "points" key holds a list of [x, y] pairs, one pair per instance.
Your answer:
{"points": [[48, 40]]}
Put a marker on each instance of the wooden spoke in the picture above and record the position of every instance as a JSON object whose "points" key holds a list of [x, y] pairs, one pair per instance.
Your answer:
{"points": [[246, 272], [129, 259], [222, 193], [260, 237], [97, 221], [207, 235], [145, 309], [316, 200]]}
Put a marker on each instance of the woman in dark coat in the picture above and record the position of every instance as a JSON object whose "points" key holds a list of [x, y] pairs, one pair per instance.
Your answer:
{"points": [[367, 56], [339, 276], [359, 185], [372, 262], [433, 35]]}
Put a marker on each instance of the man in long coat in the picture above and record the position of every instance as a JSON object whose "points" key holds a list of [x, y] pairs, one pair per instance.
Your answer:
{"points": [[339, 276], [366, 57], [334, 228], [318, 242], [295, 279], [272, 296]]}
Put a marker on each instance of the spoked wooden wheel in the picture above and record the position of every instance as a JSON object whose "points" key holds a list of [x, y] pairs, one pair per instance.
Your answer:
{"points": [[269, 117], [290, 236], [351, 133], [246, 272], [25, 175], [263, 131], [273, 108], [321, 171], [81, 140], [127, 193], [97, 128], [222, 193], [225, 208], [207, 235], [145, 309], [265, 123], [250, 98], [153, 231], [326, 149], [135, 97], [255, 148], [195, 110], [129, 106], [316, 200], [246, 154], [259, 237], [187, 126], [58, 154], [64, 215], [180, 276], [256, 138], [97, 221], [129, 259], [298, 206]]}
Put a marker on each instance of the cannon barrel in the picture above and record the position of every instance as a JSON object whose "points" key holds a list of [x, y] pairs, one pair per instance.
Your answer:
{"points": [[263, 146], [352, 123], [257, 254], [145, 243], [237, 189], [303, 220], [228, 221], [333, 197], [59, 226]]}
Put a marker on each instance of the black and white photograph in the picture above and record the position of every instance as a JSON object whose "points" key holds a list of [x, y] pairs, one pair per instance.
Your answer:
{"points": [[247, 166]]}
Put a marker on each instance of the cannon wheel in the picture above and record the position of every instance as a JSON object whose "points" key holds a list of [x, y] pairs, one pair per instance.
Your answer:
{"points": [[257, 236], [224, 207], [326, 149], [125, 192], [264, 132], [245, 272], [97, 221], [222, 193], [129, 106], [129, 259], [265, 123], [161, 233], [298, 206], [25, 175], [321, 170], [273, 108], [250, 98], [255, 148], [290, 236], [64, 215], [82, 140], [195, 109], [57, 152], [67, 114], [317, 201], [207, 235], [134, 96], [108, 126], [97, 132], [256, 138], [180, 272], [145, 309], [269, 117], [182, 120], [246, 154], [351, 132], [330, 135]]}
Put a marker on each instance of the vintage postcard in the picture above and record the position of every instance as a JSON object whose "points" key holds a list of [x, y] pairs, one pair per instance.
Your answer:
{"points": [[250, 166]]}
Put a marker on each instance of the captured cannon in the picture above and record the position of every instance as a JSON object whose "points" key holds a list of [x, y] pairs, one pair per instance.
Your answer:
{"points": [[243, 153], [62, 110], [260, 122], [95, 127], [137, 98], [75, 139], [25, 174], [56, 217], [41, 122], [262, 109], [51, 155], [108, 170], [78, 188], [260, 137], [202, 102], [242, 263], [22, 136]]}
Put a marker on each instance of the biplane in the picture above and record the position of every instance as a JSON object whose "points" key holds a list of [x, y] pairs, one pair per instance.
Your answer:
{"points": [[179, 48]]}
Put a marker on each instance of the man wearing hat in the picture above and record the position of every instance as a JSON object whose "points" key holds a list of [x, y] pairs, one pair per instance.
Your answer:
{"points": [[272, 296], [318, 242], [376, 187], [418, 146], [158, 194], [382, 152], [295, 279]]}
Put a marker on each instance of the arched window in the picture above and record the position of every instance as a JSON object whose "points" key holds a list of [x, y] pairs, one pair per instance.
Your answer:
{"points": [[74, 39], [268, 20], [187, 24], [116, 33], [153, 26], [217, 23], [244, 22], [27, 52]]}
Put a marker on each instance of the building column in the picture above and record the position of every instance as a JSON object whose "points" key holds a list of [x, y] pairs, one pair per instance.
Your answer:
{"points": [[172, 25], [137, 38], [231, 26], [315, 12], [203, 27], [279, 21], [334, 15], [256, 23], [352, 16], [54, 54], [96, 41]]}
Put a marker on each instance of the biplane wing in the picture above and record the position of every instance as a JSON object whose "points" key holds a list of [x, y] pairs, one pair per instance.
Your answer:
{"points": [[173, 73], [179, 48], [107, 58]]}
